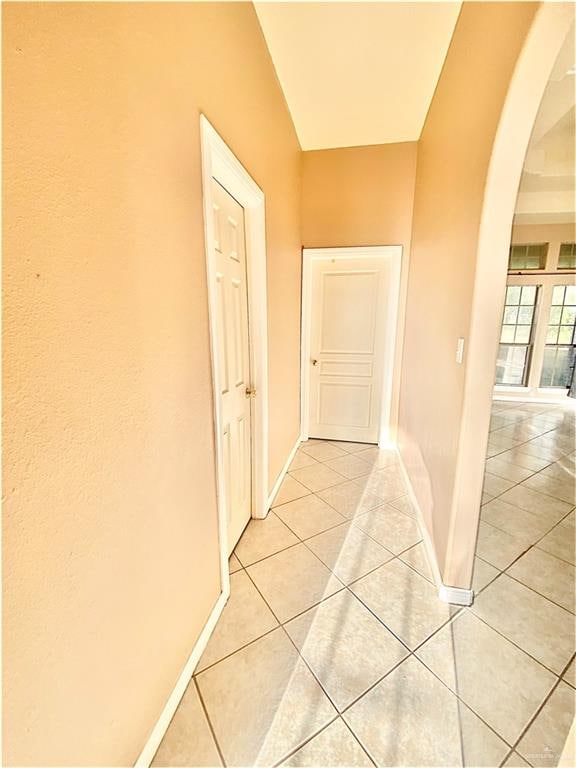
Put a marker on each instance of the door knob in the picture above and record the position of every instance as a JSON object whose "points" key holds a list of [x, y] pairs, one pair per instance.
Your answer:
{"points": [[250, 392], [314, 362]]}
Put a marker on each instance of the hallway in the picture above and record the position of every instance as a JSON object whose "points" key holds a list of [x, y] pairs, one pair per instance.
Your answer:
{"points": [[335, 650]]}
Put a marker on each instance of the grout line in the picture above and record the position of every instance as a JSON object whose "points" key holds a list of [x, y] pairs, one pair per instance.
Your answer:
{"points": [[207, 716]]}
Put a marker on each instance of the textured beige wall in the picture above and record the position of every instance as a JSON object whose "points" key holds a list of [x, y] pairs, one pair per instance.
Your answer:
{"points": [[362, 196], [453, 157], [110, 540]]}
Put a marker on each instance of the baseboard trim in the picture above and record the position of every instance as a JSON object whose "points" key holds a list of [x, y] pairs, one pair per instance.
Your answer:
{"points": [[283, 471], [454, 595], [428, 546], [151, 747]]}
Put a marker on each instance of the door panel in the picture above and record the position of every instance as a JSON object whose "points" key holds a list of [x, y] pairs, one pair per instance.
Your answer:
{"points": [[347, 348], [233, 358]]}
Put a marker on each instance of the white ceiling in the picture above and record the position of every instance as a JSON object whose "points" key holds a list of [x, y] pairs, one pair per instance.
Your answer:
{"points": [[547, 188], [357, 73]]}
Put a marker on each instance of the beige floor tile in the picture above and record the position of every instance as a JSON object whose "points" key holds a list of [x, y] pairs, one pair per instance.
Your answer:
{"points": [[334, 747], [562, 470], [485, 498], [263, 702], [495, 485], [379, 458], [533, 463], [348, 552], [502, 441], [507, 470], [543, 742], [411, 719], [318, 477], [538, 503], [263, 538], [515, 520], [548, 575], [483, 574], [539, 627], [322, 451], [245, 617], [560, 541], [308, 516], [570, 675], [302, 460], [404, 505], [498, 547], [233, 563], [390, 528], [345, 646], [545, 452], [293, 581], [404, 601], [289, 490], [500, 682], [481, 746], [188, 740], [386, 483], [417, 558], [565, 490], [350, 466], [350, 499]]}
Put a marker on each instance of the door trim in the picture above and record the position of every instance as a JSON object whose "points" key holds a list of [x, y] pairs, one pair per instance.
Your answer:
{"points": [[394, 254], [219, 162]]}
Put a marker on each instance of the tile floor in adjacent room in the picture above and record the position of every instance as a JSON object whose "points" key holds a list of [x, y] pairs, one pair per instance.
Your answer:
{"points": [[334, 649]]}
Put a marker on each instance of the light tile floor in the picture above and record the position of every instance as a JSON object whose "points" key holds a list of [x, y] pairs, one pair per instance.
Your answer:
{"points": [[334, 649]]}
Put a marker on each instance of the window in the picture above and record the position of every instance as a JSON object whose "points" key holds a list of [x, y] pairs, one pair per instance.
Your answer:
{"points": [[567, 257], [516, 336], [559, 351], [532, 256]]}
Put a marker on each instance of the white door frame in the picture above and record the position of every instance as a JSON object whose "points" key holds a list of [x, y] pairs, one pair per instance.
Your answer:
{"points": [[390, 252], [218, 162]]}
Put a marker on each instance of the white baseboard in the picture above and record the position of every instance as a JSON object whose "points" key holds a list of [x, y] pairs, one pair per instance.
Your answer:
{"points": [[151, 746], [454, 595], [283, 472]]}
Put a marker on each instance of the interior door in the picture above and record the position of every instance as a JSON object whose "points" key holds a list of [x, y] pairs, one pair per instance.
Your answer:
{"points": [[233, 358], [347, 348]]}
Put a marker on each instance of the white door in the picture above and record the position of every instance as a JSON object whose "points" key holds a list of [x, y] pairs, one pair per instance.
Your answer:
{"points": [[233, 358], [347, 336]]}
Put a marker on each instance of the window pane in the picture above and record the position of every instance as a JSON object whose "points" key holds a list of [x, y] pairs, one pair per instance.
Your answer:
{"points": [[570, 297], [513, 294], [511, 365], [525, 315], [555, 315], [558, 294], [507, 334], [568, 315], [531, 256], [522, 334], [565, 334], [510, 315], [557, 367], [528, 294], [567, 257], [552, 335]]}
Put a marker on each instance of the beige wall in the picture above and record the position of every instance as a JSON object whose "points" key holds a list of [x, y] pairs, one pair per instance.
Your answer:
{"points": [[358, 195], [110, 541], [453, 158], [362, 196]]}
